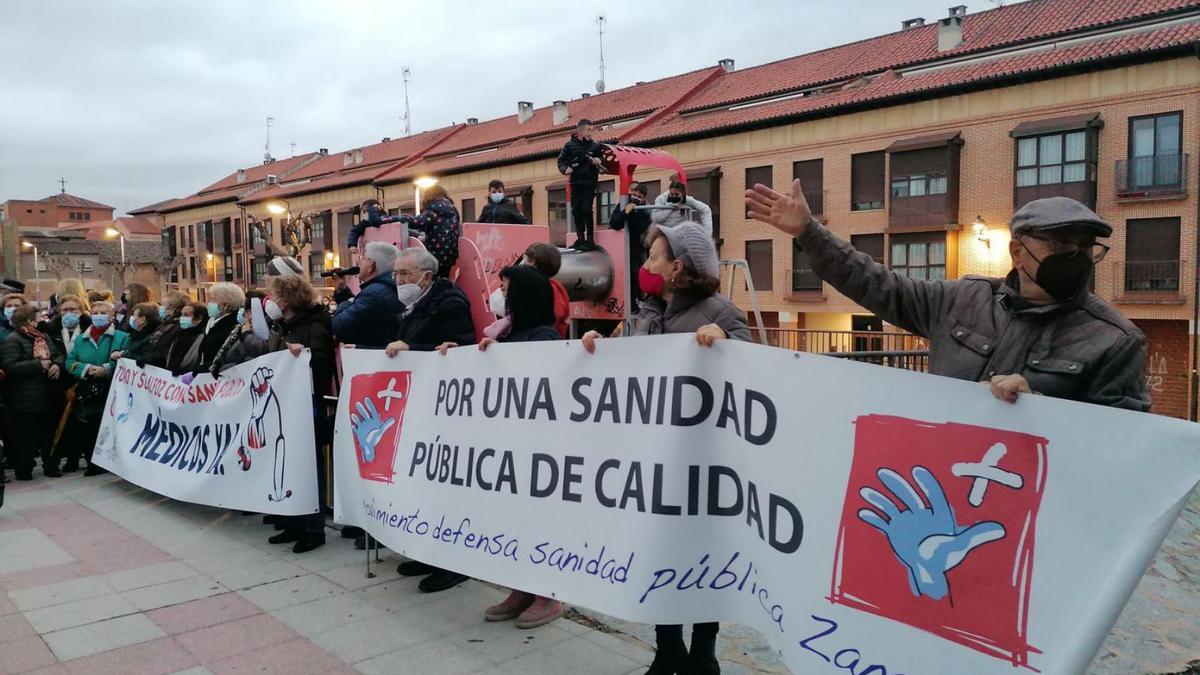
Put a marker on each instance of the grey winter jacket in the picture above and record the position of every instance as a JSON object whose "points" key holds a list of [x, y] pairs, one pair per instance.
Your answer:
{"points": [[978, 327], [685, 316]]}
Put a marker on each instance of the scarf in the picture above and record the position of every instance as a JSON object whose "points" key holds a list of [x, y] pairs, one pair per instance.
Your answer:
{"points": [[96, 333], [41, 349]]}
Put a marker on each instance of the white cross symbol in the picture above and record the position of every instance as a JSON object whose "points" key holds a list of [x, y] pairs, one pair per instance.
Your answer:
{"points": [[987, 471], [388, 394]]}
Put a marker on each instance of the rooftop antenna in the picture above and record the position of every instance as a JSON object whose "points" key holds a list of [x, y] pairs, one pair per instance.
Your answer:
{"points": [[267, 147], [600, 20], [405, 73], [63, 182], [997, 3]]}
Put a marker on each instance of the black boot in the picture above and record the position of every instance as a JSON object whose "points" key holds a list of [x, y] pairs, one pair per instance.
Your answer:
{"points": [[285, 537], [702, 659], [670, 654], [350, 532], [270, 519], [309, 541], [71, 466]]}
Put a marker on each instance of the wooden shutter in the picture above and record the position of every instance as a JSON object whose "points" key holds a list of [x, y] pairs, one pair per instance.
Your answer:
{"points": [[866, 181]]}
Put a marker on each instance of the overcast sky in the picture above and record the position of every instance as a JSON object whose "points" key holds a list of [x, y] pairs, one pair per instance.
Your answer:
{"points": [[134, 101]]}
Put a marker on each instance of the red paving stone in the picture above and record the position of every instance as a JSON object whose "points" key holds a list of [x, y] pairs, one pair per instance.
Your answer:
{"points": [[235, 638], [43, 576], [297, 657], [164, 655], [14, 627], [197, 614], [25, 654], [56, 669], [6, 606]]}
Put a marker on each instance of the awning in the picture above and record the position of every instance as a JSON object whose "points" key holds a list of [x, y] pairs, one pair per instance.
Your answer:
{"points": [[1056, 124], [923, 142]]}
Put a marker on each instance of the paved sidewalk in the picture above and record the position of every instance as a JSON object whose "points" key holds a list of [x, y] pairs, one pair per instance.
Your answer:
{"points": [[100, 576]]}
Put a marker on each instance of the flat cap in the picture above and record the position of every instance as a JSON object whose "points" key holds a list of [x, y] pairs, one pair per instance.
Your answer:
{"points": [[1052, 213]]}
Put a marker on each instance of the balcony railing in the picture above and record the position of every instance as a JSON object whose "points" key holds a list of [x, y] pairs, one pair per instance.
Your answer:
{"points": [[805, 281], [1153, 176], [1152, 276], [898, 350]]}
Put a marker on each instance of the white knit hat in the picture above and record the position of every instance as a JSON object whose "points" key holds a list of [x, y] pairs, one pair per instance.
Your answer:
{"points": [[284, 266]]}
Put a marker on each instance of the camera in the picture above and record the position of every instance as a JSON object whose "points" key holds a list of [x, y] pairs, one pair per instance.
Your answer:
{"points": [[340, 272]]}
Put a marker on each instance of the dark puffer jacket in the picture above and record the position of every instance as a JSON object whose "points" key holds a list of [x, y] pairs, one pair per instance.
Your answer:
{"points": [[443, 314], [577, 156], [311, 328], [27, 386], [442, 227], [504, 212], [372, 318]]}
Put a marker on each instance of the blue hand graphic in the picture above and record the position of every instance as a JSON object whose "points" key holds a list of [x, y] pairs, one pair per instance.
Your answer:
{"points": [[128, 408], [927, 541], [368, 428]]}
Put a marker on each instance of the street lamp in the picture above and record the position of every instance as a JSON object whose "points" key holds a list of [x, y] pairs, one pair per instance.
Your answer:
{"points": [[422, 183], [37, 277], [113, 232], [276, 209]]}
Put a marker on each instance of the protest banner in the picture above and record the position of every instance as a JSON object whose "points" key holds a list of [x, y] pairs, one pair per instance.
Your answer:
{"points": [[243, 441], [864, 519]]}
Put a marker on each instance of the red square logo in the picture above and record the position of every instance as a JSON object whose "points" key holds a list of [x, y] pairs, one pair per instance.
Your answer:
{"points": [[937, 530], [377, 402]]}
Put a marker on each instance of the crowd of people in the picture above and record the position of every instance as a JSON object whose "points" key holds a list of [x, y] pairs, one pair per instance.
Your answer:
{"points": [[57, 363]]}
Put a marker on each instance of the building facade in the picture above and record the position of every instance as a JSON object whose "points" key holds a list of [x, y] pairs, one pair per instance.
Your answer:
{"points": [[917, 146]]}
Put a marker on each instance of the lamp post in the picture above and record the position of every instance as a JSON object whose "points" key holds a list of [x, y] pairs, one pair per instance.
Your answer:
{"points": [[422, 183], [113, 232], [37, 276]]}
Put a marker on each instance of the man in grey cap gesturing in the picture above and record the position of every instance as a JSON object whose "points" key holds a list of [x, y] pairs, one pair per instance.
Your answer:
{"points": [[1038, 330]]}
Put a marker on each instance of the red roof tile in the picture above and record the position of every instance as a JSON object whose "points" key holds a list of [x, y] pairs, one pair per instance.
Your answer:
{"points": [[259, 172], [69, 200], [1009, 25], [885, 88]]}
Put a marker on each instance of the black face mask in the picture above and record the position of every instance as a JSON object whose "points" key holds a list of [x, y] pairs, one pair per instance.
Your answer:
{"points": [[674, 200], [636, 200], [1063, 275]]}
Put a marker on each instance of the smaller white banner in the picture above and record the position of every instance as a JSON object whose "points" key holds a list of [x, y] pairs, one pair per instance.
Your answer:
{"points": [[216, 441]]}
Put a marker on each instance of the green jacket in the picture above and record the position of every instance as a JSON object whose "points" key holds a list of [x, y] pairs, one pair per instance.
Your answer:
{"points": [[89, 353]]}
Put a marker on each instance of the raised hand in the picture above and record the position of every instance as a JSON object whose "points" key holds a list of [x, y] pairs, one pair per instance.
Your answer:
{"points": [[927, 540], [260, 389], [787, 213], [368, 428]]}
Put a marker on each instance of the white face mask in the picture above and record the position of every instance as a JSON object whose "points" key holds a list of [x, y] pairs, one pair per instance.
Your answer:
{"points": [[497, 303], [409, 293], [273, 310]]}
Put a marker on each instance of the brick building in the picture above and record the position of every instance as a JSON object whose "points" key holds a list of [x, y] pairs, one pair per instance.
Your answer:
{"points": [[917, 146]]}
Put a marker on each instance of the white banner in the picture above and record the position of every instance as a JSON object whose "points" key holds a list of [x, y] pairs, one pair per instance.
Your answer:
{"points": [[221, 442], [865, 519]]}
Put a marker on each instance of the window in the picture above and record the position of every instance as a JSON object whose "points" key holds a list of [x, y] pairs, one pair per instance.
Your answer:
{"points": [[1154, 151], [919, 256], [318, 228], [1152, 254], [192, 268], [804, 279], [87, 215], [918, 186], [316, 264], [556, 202], [239, 268], [759, 174], [758, 256], [468, 210], [810, 173], [866, 181], [237, 233], [705, 185], [606, 198], [871, 244], [1052, 159], [260, 270]]}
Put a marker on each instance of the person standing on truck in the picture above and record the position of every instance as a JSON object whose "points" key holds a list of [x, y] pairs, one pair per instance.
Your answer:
{"points": [[674, 205], [499, 208], [580, 161], [638, 222]]}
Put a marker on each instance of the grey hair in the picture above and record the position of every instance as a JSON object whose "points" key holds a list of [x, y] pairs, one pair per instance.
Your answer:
{"points": [[423, 259], [383, 255]]}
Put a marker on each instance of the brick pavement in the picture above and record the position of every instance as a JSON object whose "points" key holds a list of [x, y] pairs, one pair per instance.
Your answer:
{"points": [[100, 576]]}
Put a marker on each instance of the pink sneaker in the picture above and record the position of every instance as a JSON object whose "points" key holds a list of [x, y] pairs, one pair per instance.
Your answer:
{"points": [[540, 613], [511, 608]]}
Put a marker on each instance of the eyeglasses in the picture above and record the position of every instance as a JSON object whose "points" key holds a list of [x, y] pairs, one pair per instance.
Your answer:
{"points": [[1096, 251]]}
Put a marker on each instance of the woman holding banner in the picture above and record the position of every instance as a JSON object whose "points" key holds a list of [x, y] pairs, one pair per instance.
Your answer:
{"points": [[91, 361], [32, 365], [184, 353], [167, 332], [680, 280]]}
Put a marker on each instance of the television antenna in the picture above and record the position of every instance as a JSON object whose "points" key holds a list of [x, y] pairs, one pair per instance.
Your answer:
{"points": [[600, 21], [267, 147], [406, 73]]}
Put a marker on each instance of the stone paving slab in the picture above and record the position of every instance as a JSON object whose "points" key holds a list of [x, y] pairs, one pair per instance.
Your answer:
{"points": [[100, 576]]}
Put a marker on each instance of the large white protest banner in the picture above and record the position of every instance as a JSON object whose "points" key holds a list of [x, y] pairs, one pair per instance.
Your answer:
{"points": [[243, 441], [865, 519]]}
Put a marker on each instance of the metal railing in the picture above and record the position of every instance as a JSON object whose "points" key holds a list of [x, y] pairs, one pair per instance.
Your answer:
{"points": [[917, 360], [1152, 176], [1158, 275], [843, 341]]}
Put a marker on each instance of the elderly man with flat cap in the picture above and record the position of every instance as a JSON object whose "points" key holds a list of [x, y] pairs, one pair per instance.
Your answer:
{"points": [[1037, 330]]}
